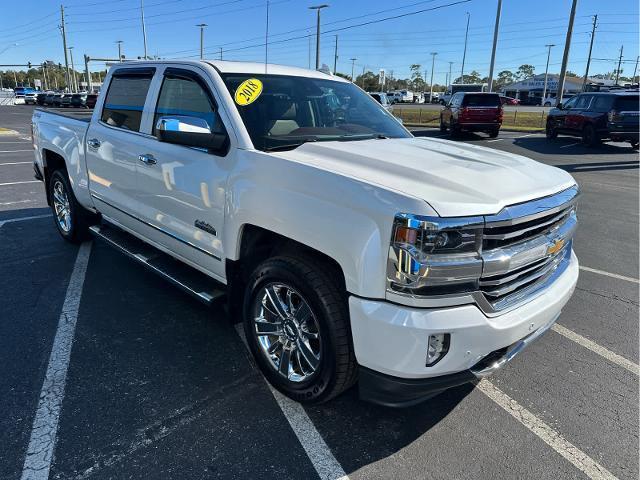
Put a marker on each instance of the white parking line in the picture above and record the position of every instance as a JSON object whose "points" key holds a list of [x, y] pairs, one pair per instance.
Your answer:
{"points": [[18, 183], [529, 135], [22, 219], [22, 141], [594, 347], [495, 140], [45, 424], [15, 163], [570, 145], [547, 434], [317, 450], [609, 274], [16, 151]]}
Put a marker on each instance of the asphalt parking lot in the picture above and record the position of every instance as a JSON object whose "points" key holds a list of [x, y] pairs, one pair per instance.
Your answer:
{"points": [[159, 386]]}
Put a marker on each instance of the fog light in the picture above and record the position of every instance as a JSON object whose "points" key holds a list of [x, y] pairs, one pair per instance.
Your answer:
{"points": [[438, 348]]}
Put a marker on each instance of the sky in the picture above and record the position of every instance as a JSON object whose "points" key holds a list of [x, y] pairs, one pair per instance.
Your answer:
{"points": [[378, 34]]}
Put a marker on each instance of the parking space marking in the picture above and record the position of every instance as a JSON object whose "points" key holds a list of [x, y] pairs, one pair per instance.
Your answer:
{"points": [[16, 151], [317, 450], [594, 347], [495, 140], [22, 219], [529, 135], [570, 145], [22, 141], [15, 163], [45, 423], [609, 274], [546, 433], [18, 183]]}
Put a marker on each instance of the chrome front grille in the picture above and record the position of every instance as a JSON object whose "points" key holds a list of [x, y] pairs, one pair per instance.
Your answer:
{"points": [[524, 246]]}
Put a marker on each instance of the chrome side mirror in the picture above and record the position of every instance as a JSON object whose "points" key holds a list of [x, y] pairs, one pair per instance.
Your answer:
{"points": [[189, 131]]}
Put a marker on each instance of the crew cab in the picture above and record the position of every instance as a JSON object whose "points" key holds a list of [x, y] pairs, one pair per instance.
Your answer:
{"points": [[350, 250], [597, 116], [472, 112]]}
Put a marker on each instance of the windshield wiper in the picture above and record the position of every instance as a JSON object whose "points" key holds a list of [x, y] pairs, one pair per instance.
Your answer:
{"points": [[362, 136], [288, 146]]}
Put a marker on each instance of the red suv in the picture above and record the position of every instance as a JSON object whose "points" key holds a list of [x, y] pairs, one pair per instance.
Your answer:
{"points": [[473, 112]]}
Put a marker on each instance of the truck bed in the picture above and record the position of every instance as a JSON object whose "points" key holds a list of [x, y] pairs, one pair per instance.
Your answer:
{"points": [[81, 114]]}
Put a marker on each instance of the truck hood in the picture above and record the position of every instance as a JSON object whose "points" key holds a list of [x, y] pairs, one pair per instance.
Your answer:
{"points": [[455, 178]]}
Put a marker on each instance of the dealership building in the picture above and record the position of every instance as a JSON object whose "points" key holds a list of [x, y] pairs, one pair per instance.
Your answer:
{"points": [[529, 91]]}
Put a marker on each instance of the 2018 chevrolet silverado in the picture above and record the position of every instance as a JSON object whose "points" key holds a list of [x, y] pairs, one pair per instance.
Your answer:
{"points": [[350, 250]]}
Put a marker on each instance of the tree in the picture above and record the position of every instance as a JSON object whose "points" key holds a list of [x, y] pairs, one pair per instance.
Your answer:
{"points": [[525, 71], [370, 82], [473, 77], [505, 77], [417, 82], [572, 74]]}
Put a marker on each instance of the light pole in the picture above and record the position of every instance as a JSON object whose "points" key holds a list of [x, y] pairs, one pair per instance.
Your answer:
{"points": [[433, 61], [449, 81], [546, 73], [495, 43], [464, 54], [201, 25], [317, 8], [119, 42], [144, 28], [353, 62], [74, 84], [266, 40]]}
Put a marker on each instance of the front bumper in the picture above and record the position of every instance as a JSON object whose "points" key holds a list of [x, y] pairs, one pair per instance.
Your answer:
{"points": [[391, 341]]}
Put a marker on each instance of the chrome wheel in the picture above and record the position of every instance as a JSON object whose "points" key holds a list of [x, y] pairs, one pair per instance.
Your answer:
{"points": [[61, 206], [287, 331]]}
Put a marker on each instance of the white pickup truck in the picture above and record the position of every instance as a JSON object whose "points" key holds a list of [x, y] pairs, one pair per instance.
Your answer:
{"points": [[350, 250]]}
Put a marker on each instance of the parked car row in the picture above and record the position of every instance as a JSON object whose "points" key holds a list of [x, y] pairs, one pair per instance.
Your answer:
{"points": [[57, 99]]}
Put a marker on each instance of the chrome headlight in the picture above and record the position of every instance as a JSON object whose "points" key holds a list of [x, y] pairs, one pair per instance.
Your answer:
{"points": [[434, 256]]}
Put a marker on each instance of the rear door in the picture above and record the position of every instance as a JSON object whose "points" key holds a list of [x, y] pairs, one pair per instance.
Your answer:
{"points": [[112, 144], [181, 190]]}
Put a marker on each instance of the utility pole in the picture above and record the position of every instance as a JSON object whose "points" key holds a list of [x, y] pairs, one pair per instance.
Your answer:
{"points": [[495, 43], [309, 37], [433, 62], [74, 83], [546, 74], [87, 73], [64, 45], [119, 42], [220, 53], [266, 40], [363, 68], [317, 8], [449, 81], [44, 74], [144, 28], [201, 25], [335, 57], [353, 63], [464, 54], [593, 35], [565, 56], [619, 62], [635, 70]]}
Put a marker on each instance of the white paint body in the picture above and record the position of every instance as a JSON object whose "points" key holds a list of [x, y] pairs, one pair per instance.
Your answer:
{"points": [[339, 198]]}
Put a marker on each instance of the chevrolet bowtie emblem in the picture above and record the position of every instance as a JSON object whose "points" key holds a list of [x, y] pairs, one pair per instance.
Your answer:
{"points": [[555, 247]]}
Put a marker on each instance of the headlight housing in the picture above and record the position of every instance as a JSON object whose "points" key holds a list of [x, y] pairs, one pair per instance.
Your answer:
{"points": [[434, 256]]}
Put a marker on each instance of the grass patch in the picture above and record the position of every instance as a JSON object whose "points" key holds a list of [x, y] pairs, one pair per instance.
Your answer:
{"points": [[512, 120]]}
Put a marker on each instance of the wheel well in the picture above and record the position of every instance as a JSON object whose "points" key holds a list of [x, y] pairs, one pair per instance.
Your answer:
{"points": [[256, 245], [52, 162]]}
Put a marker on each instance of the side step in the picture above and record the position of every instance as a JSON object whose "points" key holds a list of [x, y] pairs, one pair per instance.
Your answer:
{"points": [[189, 279]]}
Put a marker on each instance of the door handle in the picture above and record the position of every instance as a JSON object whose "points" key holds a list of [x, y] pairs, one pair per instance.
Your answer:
{"points": [[147, 159], [94, 143]]}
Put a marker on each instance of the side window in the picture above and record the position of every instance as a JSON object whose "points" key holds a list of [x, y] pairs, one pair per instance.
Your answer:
{"points": [[601, 103], [571, 103], [186, 97], [583, 102], [125, 99]]}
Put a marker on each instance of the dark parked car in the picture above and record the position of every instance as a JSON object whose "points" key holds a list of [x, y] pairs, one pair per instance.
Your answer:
{"points": [[92, 98], [597, 116], [48, 99], [382, 99], [65, 101], [57, 99], [473, 112], [40, 98], [79, 100]]}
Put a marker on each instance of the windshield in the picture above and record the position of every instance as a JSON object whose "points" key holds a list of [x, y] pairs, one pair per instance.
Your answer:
{"points": [[289, 111]]}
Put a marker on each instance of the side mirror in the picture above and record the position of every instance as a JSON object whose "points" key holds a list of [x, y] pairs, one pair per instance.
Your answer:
{"points": [[559, 106], [189, 131]]}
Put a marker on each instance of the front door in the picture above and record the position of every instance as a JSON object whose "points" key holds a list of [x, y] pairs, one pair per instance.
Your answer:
{"points": [[181, 190]]}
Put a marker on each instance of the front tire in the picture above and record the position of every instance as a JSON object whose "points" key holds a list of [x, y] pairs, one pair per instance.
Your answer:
{"points": [[551, 131], [71, 219], [443, 126], [296, 322]]}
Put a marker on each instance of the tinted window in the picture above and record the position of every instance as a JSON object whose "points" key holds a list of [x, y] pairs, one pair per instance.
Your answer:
{"points": [[627, 103], [376, 97], [583, 101], [124, 103], [481, 100], [184, 96], [571, 103], [601, 103]]}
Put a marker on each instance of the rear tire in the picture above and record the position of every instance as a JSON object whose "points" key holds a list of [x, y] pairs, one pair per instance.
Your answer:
{"points": [[494, 133], [590, 137], [317, 346], [71, 219]]}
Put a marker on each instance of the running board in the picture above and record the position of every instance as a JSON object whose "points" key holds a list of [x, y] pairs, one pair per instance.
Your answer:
{"points": [[192, 281]]}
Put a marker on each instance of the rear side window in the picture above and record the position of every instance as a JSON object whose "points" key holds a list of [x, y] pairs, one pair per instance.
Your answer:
{"points": [[481, 101], [627, 103], [125, 99], [601, 103]]}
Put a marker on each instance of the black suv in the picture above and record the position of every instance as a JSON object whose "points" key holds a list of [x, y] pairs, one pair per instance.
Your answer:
{"points": [[597, 116]]}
